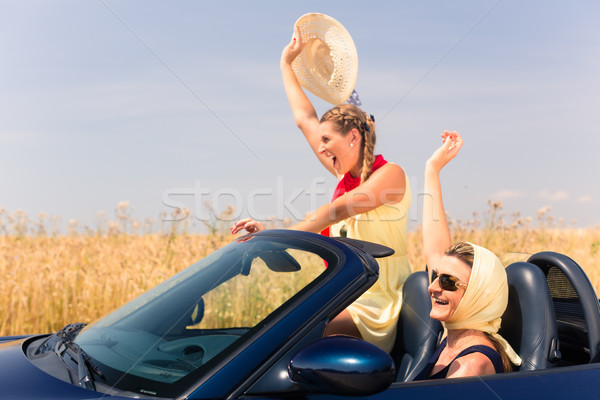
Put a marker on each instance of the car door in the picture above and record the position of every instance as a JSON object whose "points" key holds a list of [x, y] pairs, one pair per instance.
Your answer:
{"points": [[260, 363]]}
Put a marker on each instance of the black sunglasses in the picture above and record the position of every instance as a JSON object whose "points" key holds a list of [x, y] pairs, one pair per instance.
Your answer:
{"points": [[447, 282]]}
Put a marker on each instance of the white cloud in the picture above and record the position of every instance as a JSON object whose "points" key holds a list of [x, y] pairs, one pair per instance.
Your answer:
{"points": [[508, 194], [586, 198], [559, 195]]}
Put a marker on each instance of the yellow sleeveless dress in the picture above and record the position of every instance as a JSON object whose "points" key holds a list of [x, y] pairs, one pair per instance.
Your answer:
{"points": [[375, 313]]}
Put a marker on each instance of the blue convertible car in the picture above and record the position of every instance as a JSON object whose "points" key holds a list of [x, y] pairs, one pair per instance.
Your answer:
{"points": [[247, 322]]}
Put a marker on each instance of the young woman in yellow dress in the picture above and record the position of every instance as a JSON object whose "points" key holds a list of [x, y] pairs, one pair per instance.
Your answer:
{"points": [[370, 202]]}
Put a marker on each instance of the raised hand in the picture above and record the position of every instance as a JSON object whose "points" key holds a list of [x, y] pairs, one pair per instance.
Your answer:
{"points": [[291, 50], [446, 152], [248, 224]]}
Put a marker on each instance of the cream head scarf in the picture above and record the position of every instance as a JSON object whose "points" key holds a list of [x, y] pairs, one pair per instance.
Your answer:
{"points": [[484, 300]]}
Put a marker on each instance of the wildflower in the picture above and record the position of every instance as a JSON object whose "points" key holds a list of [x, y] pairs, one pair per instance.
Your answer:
{"points": [[542, 211]]}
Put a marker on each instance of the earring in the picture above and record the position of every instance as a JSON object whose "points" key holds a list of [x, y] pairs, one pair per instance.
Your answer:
{"points": [[351, 144]]}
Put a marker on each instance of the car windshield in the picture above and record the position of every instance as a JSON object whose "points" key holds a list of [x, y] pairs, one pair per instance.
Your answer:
{"points": [[202, 314]]}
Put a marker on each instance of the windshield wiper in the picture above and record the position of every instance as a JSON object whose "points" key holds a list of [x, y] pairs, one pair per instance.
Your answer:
{"points": [[63, 341], [84, 364]]}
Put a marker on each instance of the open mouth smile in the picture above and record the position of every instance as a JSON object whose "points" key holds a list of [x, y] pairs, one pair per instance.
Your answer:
{"points": [[440, 302]]}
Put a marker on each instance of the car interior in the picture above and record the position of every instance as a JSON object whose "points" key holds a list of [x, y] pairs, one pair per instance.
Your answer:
{"points": [[575, 305]]}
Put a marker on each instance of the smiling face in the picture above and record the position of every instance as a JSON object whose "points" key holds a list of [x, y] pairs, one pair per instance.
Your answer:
{"points": [[344, 151], [445, 302]]}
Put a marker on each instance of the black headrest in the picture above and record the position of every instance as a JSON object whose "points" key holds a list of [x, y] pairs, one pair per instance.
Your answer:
{"points": [[573, 294], [529, 324], [418, 335]]}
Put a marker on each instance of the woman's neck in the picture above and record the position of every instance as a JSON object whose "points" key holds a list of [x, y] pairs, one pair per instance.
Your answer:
{"points": [[460, 338], [357, 170]]}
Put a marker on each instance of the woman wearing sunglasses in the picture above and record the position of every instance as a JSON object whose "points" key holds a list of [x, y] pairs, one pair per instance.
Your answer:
{"points": [[469, 290]]}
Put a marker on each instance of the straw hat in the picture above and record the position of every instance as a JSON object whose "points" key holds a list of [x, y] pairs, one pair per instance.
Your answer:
{"points": [[328, 64]]}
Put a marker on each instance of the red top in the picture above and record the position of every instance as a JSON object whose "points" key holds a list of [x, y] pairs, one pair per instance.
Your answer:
{"points": [[348, 182]]}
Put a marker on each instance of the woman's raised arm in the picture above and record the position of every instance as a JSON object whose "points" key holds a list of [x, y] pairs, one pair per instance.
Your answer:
{"points": [[304, 113], [436, 235]]}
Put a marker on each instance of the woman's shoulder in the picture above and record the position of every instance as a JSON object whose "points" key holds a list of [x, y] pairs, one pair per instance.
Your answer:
{"points": [[390, 169], [471, 364], [389, 183], [391, 176]]}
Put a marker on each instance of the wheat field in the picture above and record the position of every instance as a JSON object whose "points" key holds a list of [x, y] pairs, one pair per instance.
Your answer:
{"points": [[51, 279]]}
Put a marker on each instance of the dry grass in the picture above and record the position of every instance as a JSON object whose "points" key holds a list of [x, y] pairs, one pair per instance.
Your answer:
{"points": [[49, 280]]}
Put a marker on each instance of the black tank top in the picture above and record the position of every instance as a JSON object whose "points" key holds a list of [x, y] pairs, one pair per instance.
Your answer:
{"points": [[489, 352]]}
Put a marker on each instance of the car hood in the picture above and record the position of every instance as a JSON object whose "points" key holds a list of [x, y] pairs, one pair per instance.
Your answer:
{"points": [[20, 379]]}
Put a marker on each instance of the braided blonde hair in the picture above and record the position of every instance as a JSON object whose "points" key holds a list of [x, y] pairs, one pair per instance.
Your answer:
{"points": [[348, 117]]}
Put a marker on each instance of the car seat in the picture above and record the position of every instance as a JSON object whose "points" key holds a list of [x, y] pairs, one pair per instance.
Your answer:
{"points": [[529, 324], [575, 305], [417, 335]]}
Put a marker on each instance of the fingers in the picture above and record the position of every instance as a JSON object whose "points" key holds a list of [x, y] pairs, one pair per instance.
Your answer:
{"points": [[451, 135], [238, 226], [291, 50], [296, 41], [453, 141], [247, 224], [458, 143], [297, 37]]}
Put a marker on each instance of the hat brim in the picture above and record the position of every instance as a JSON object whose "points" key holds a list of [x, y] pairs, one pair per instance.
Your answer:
{"points": [[328, 64]]}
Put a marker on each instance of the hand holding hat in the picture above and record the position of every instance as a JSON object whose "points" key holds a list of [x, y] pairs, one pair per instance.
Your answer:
{"points": [[291, 51], [324, 57]]}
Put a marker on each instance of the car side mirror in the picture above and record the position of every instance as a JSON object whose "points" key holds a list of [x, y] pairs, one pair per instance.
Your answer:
{"points": [[343, 365]]}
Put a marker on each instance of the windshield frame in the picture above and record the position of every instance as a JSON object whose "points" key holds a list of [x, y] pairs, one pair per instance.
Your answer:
{"points": [[332, 254]]}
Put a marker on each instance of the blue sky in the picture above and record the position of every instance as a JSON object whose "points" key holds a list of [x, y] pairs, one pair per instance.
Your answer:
{"points": [[175, 103]]}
